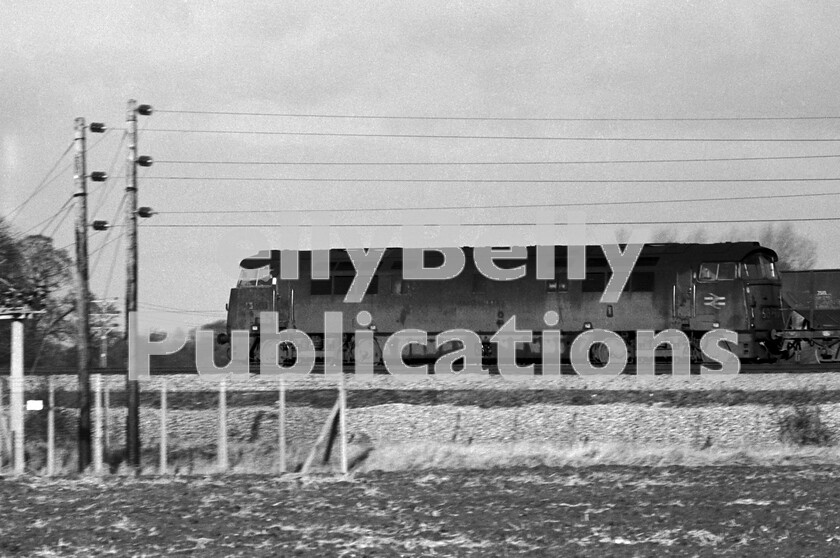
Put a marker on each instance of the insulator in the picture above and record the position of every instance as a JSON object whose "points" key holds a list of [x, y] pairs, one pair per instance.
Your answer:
{"points": [[145, 212], [100, 225], [99, 176], [97, 127], [145, 110], [145, 161]]}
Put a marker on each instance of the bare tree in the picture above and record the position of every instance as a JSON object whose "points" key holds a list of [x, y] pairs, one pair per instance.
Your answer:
{"points": [[665, 234], [795, 250]]}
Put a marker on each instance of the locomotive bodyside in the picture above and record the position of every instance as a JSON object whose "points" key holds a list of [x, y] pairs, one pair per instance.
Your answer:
{"points": [[691, 287]]}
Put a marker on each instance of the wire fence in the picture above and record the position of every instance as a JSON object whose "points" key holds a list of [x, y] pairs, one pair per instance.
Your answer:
{"points": [[203, 434]]}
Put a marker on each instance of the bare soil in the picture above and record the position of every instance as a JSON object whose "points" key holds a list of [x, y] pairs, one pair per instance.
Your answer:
{"points": [[597, 511]]}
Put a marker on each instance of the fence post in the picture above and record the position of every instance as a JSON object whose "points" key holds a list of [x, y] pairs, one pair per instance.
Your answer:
{"points": [[163, 439], [3, 433], [281, 404], [16, 396], [107, 421], [50, 427], [97, 424], [222, 456]]}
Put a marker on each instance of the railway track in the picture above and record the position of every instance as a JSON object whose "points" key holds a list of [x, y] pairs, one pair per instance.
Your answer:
{"points": [[492, 370]]}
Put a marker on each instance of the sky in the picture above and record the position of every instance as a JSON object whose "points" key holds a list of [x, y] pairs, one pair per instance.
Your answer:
{"points": [[507, 70]]}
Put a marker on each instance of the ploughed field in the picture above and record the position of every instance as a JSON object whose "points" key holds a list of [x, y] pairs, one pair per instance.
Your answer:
{"points": [[597, 511]]}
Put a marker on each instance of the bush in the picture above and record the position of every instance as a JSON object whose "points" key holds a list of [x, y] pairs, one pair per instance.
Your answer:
{"points": [[804, 427]]}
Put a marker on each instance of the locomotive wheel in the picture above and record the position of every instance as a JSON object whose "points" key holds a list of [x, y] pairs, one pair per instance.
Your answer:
{"points": [[599, 354], [287, 354]]}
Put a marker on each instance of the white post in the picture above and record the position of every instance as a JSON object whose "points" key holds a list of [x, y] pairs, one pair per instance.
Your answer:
{"points": [[281, 408], [3, 437], [163, 440], [16, 404], [222, 456], [107, 419], [97, 424], [50, 427]]}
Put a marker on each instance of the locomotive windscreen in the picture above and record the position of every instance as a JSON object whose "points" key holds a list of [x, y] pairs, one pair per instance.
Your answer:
{"points": [[259, 269]]}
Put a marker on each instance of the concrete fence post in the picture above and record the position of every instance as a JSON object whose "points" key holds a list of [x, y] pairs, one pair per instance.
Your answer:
{"points": [[222, 456], [97, 424], [16, 398], [50, 427], [281, 409], [107, 418], [163, 435], [4, 433]]}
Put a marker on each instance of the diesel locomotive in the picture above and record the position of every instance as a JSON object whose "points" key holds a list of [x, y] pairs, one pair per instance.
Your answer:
{"points": [[694, 288]]}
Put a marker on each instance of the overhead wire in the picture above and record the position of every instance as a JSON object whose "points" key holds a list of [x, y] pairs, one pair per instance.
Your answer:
{"points": [[499, 180], [41, 185], [503, 206], [484, 224], [105, 191], [482, 137], [60, 222], [46, 222], [502, 118], [175, 309], [106, 240], [493, 163], [113, 265]]}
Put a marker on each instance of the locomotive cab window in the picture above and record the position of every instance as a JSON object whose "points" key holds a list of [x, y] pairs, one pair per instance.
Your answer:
{"points": [[254, 277], [399, 285], [724, 271], [339, 284], [640, 282], [594, 282], [759, 266]]}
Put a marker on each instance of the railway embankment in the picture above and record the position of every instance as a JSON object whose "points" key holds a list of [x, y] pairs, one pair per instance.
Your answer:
{"points": [[694, 413]]}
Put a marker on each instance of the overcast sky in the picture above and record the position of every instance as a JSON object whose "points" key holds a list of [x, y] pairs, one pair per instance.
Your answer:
{"points": [[520, 60]]}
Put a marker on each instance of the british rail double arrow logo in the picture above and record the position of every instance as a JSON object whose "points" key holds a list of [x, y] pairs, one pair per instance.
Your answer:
{"points": [[714, 301]]}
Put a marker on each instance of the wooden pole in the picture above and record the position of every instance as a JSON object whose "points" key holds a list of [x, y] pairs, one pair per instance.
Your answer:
{"points": [[50, 427], [97, 424], [132, 388], [163, 439], [342, 395], [281, 408], [82, 297], [223, 437], [16, 396], [325, 431]]}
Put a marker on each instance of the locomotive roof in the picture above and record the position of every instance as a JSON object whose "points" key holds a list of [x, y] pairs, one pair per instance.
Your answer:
{"points": [[716, 252]]}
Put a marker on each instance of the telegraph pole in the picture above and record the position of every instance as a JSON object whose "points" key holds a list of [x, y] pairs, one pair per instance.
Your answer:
{"points": [[82, 289], [132, 435], [82, 298]]}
